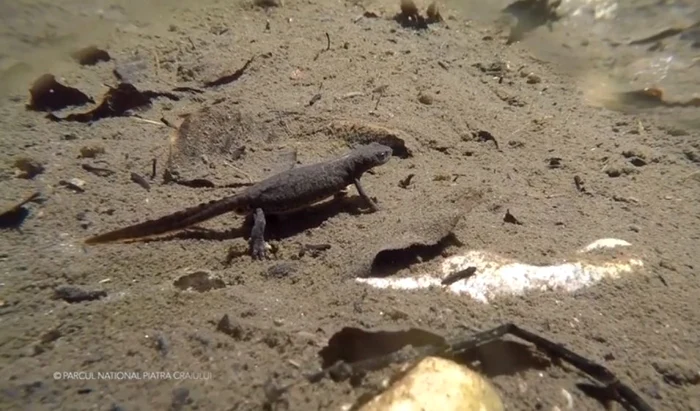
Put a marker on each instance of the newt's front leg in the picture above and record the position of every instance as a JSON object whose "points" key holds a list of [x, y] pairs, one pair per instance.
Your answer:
{"points": [[365, 197], [257, 235]]}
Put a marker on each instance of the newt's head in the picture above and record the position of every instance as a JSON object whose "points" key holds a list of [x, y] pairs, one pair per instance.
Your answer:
{"points": [[368, 156]]}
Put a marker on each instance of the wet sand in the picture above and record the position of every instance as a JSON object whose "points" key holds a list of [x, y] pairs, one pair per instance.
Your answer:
{"points": [[440, 88]]}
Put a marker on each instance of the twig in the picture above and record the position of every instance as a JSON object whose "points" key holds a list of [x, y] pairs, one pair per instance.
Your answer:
{"points": [[381, 89], [145, 120], [328, 47], [153, 169], [350, 95], [459, 275], [231, 77], [378, 100], [157, 61]]}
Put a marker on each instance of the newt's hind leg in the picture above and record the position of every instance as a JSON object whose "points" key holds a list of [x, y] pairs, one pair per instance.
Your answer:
{"points": [[257, 235]]}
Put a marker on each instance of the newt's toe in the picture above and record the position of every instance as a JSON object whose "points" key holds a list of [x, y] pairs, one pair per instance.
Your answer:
{"points": [[258, 250]]}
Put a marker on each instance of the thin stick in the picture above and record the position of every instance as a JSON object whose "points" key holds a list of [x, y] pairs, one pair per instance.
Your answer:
{"points": [[153, 168], [157, 61], [145, 120]]}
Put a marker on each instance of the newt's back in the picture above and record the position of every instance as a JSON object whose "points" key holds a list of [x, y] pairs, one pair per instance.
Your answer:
{"points": [[305, 185]]}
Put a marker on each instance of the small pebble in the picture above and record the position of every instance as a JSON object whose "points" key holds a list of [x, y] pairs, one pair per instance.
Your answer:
{"points": [[533, 79], [91, 151], [425, 99]]}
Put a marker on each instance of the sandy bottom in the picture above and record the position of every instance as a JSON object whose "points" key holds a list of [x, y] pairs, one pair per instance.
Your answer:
{"points": [[321, 74]]}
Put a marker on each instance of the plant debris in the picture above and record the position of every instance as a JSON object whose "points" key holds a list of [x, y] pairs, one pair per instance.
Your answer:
{"points": [[47, 94], [138, 179], [172, 177], [117, 102], [554, 162], [14, 216], [663, 34], [102, 172], [195, 183], [328, 47], [73, 294], [314, 99], [91, 55], [510, 218], [483, 136], [578, 182], [231, 77], [404, 183], [458, 275]]}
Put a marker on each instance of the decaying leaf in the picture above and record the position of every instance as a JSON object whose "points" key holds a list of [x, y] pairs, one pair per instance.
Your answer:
{"points": [[73, 294], [118, 101], [47, 94]]}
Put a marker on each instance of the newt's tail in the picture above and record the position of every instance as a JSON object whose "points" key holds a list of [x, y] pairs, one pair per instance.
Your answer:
{"points": [[169, 223]]}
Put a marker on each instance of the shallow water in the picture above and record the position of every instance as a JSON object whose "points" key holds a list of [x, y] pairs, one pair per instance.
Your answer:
{"points": [[591, 40], [36, 36]]}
